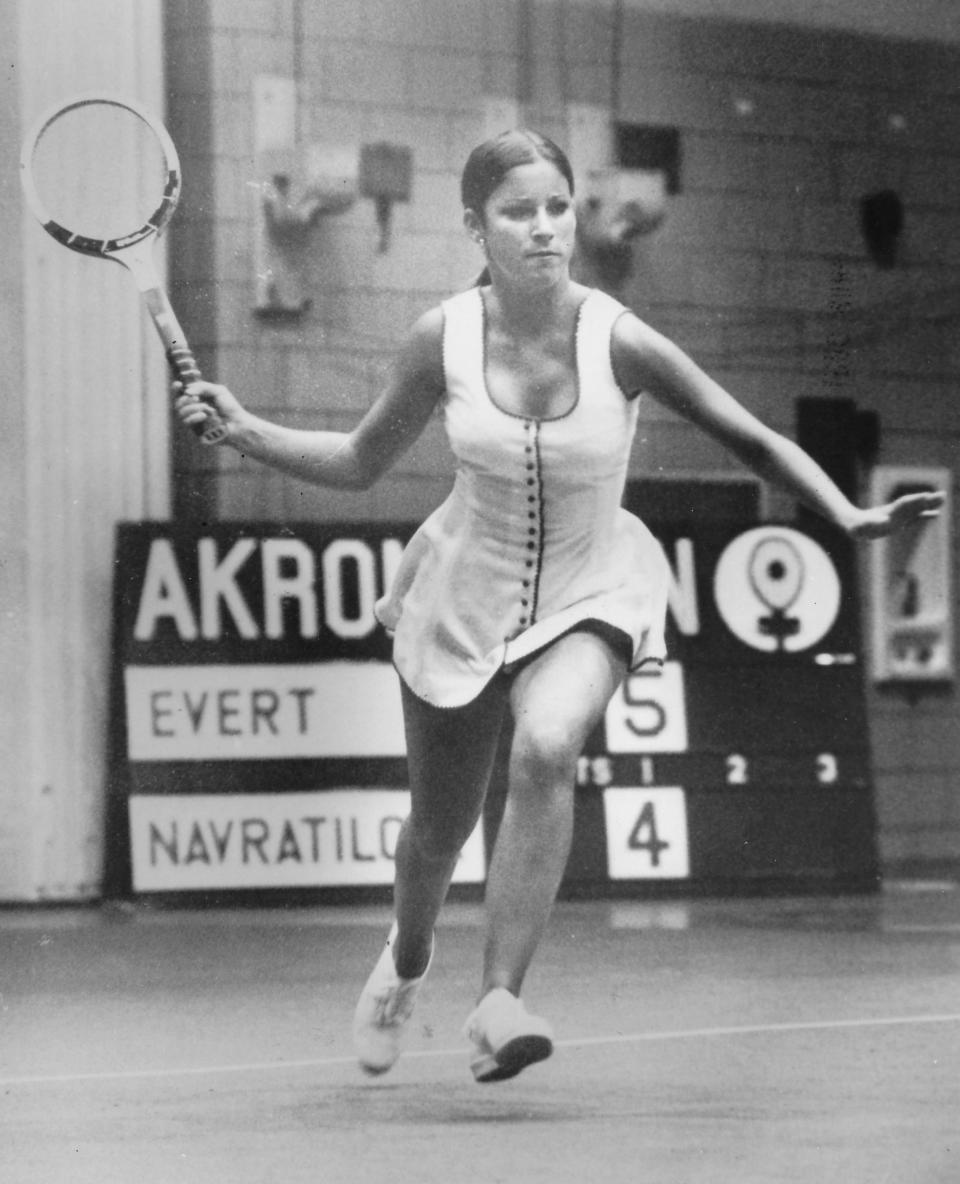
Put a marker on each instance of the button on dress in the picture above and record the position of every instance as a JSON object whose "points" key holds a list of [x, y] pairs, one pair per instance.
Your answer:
{"points": [[532, 540]]}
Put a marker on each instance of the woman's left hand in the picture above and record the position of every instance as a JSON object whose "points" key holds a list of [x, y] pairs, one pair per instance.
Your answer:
{"points": [[912, 509]]}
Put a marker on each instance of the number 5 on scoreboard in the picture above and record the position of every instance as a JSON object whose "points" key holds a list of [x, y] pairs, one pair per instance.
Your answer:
{"points": [[648, 714], [646, 834]]}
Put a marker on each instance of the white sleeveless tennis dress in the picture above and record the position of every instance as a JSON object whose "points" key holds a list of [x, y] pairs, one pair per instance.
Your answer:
{"points": [[532, 541]]}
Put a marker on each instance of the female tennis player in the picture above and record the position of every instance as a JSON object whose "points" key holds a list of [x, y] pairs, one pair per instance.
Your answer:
{"points": [[530, 589]]}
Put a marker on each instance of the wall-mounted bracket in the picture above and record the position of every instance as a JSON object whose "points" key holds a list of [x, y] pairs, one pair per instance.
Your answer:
{"points": [[910, 579], [386, 175], [296, 190], [290, 214], [627, 174]]}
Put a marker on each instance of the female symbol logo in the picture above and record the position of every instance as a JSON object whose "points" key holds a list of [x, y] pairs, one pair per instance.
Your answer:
{"points": [[776, 574], [776, 589]]}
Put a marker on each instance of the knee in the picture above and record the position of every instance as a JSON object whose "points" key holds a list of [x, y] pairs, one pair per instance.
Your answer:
{"points": [[545, 751]]}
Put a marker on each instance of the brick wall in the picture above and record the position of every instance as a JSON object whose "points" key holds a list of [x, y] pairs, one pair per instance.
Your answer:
{"points": [[760, 270]]}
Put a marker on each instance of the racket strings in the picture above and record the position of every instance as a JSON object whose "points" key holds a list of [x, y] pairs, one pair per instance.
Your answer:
{"points": [[101, 174]]}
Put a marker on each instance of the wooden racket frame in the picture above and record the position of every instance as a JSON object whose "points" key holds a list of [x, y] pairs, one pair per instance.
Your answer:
{"points": [[133, 250]]}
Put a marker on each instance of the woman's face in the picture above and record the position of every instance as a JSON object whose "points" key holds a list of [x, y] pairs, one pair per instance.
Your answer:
{"points": [[528, 225]]}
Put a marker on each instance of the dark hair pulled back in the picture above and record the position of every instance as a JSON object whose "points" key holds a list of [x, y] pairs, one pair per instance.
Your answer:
{"points": [[489, 163]]}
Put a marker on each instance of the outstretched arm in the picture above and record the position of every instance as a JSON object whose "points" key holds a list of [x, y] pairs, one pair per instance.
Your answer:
{"points": [[645, 360], [345, 460]]}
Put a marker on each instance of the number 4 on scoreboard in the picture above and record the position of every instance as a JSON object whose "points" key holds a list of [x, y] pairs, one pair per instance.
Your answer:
{"points": [[646, 832]]}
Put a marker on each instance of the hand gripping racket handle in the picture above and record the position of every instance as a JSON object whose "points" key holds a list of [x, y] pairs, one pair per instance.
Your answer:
{"points": [[182, 362], [184, 367]]}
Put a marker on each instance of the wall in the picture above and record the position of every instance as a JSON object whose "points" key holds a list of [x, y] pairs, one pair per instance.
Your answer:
{"points": [[923, 20], [15, 843], [83, 443], [760, 270]]}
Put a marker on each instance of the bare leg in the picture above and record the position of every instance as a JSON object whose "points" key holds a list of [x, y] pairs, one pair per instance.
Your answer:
{"points": [[557, 701], [450, 754]]}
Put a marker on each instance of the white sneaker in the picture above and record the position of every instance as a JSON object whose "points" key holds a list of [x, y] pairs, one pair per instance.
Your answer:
{"points": [[385, 1004], [506, 1037]]}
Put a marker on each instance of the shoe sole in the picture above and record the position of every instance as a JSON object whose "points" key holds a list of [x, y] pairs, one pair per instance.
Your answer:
{"points": [[376, 1070], [511, 1058]]}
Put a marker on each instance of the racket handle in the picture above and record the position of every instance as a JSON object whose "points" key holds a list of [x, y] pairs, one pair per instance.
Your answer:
{"points": [[182, 362], [185, 368]]}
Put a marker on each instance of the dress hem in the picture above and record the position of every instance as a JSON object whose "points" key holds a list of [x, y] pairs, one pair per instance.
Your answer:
{"points": [[618, 640]]}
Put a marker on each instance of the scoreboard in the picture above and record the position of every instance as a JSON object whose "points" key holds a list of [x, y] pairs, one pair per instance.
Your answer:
{"points": [[744, 762], [258, 740]]}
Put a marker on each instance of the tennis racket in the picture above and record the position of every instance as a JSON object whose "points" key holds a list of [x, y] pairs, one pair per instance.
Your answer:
{"points": [[102, 176]]}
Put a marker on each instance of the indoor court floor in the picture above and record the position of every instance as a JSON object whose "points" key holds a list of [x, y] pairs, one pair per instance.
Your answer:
{"points": [[715, 1041]]}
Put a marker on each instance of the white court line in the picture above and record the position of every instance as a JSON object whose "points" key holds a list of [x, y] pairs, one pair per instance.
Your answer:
{"points": [[949, 928], [578, 1042]]}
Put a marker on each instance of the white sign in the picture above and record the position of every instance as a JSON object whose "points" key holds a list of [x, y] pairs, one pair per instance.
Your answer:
{"points": [[776, 589], [183, 842], [197, 713], [648, 713], [646, 834], [289, 573]]}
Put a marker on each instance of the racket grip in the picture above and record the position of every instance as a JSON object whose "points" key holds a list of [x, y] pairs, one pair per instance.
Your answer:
{"points": [[184, 367]]}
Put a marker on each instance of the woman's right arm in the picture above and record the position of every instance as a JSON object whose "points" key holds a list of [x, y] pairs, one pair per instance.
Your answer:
{"points": [[343, 460]]}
